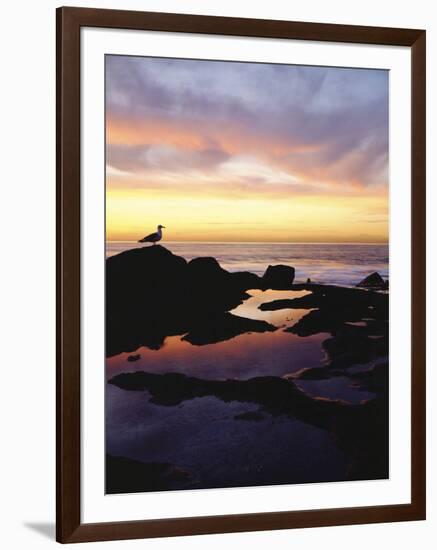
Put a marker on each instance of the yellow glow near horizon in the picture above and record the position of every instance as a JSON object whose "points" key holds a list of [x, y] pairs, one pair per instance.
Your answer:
{"points": [[132, 213]]}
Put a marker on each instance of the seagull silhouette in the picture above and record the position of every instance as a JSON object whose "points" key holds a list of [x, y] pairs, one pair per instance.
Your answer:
{"points": [[153, 237]]}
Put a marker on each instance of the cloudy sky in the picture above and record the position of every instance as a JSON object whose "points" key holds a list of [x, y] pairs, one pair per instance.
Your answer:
{"points": [[226, 151]]}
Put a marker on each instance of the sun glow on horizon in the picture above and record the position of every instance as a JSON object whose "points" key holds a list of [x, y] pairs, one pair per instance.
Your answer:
{"points": [[306, 219]]}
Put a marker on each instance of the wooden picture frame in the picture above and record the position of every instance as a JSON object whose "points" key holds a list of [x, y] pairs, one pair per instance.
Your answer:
{"points": [[69, 24]]}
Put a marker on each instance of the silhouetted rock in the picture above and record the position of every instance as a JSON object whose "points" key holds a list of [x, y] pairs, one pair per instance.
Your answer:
{"points": [[350, 343], [333, 307], [244, 280], [309, 301], [133, 358], [223, 327], [352, 347], [143, 288], [206, 268], [347, 300], [374, 280], [334, 311], [152, 293], [277, 395], [124, 475], [278, 277], [374, 380]]}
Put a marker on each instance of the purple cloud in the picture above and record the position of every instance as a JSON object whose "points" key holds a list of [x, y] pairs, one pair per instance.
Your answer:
{"points": [[330, 119]]}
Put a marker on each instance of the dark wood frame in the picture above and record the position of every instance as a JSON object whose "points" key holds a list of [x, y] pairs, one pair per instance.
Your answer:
{"points": [[68, 522]]}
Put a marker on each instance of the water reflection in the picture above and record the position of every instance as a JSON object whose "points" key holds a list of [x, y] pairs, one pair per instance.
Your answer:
{"points": [[338, 387], [202, 437], [245, 356], [219, 443]]}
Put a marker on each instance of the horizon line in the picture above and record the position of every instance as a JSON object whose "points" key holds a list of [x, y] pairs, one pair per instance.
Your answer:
{"points": [[259, 242]]}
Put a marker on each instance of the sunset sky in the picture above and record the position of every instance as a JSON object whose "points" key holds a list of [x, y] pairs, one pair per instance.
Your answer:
{"points": [[226, 151]]}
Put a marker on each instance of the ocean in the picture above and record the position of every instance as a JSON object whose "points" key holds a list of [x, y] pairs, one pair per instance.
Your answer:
{"points": [[340, 263]]}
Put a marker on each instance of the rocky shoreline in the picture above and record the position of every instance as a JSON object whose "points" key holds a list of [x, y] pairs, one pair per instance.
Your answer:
{"points": [[153, 294]]}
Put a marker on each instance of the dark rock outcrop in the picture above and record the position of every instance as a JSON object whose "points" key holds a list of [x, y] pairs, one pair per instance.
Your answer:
{"points": [[334, 310], [152, 293], [333, 298], [310, 301], [278, 277], [124, 475], [277, 395], [244, 280], [374, 281], [333, 307], [352, 346], [373, 380], [223, 327]]}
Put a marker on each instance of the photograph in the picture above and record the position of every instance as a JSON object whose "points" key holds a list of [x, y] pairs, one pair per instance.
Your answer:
{"points": [[227, 316], [246, 274]]}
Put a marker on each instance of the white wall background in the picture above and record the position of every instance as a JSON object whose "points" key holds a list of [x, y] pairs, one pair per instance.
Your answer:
{"points": [[27, 252]]}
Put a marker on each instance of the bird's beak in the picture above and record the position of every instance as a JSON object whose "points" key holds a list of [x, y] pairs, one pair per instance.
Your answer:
{"points": [[163, 227]]}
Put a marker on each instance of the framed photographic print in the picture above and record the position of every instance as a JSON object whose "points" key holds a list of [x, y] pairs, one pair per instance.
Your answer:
{"points": [[241, 280]]}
